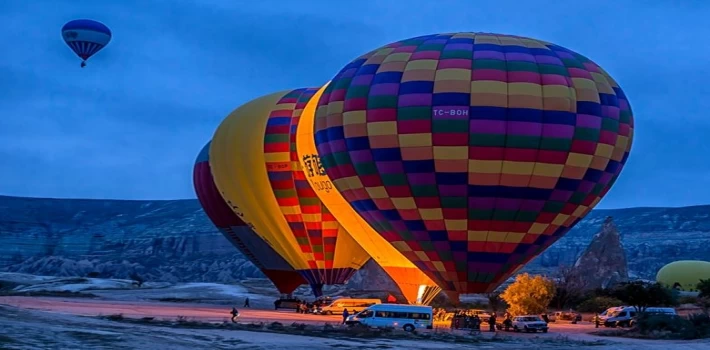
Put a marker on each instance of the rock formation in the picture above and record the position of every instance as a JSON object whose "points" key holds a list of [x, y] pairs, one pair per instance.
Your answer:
{"points": [[603, 263]]}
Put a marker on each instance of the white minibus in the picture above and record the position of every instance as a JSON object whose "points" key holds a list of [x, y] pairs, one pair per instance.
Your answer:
{"points": [[407, 317]]}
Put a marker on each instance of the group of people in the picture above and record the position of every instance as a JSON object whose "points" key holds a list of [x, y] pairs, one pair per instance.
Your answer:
{"points": [[470, 320]]}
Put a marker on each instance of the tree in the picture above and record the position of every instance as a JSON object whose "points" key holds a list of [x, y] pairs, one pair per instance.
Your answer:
{"points": [[641, 295], [704, 303], [569, 288], [495, 302], [529, 295], [137, 279], [704, 288]]}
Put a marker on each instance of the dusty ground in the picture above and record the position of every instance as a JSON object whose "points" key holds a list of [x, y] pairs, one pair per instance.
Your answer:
{"points": [[36, 327], [71, 323]]}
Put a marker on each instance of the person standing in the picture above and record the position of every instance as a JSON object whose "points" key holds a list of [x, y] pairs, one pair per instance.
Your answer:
{"points": [[345, 315], [235, 314], [492, 322], [246, 302]]}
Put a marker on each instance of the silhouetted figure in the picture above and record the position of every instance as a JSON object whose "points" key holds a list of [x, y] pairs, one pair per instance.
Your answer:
{"points": [[492, 322], [545, 318], [246, 302], [507, 322], [345, 315], [235, 314]]}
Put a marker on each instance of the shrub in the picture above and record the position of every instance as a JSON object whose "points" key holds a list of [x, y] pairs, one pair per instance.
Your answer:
{"points": [[529, 295], [93, 274], [598, 304], [687, 300], [674, 326]]}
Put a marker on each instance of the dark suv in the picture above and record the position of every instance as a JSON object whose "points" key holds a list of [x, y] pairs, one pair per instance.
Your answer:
{"points": [[286, 303]]}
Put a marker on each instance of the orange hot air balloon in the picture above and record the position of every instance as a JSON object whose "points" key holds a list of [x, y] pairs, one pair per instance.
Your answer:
{"points": [[266, 189], [416, 287]]}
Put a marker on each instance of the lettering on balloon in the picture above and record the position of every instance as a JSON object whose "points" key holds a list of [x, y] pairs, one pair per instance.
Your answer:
{"points": [[313, 165], [240, 214], [450, 111], [323, 185], [71, 34]]}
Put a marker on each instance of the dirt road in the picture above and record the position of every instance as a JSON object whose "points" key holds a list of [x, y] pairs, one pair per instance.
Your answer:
{"points": [[159, 310]]}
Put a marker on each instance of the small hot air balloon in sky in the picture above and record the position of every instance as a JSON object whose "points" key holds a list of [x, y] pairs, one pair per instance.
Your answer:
{"points": [[86, 37], [252, 165], [416, 287], [471, 153], [684, 274], [281, 274]]}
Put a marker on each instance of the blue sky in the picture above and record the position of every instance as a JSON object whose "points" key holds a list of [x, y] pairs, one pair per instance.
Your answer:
{"points": [[130, 125]]}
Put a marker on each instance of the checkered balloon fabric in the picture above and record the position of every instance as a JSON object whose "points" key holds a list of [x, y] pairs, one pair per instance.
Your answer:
{"points": [[473, 152]]}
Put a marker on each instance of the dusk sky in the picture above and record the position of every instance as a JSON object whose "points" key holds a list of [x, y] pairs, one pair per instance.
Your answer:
{"points": [[130, 124]]}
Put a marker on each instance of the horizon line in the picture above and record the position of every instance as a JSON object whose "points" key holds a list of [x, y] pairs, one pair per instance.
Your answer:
{"points": [[195, 199]]}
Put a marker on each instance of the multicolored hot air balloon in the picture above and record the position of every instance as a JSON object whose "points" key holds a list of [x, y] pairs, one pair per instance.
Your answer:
{"points": [[416, 287], [86, 37], [684, 274], [281, 274], [472, 152], [251, 163]]}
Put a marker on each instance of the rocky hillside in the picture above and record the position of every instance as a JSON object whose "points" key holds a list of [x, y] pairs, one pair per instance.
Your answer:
{"points": [[174, 241]]}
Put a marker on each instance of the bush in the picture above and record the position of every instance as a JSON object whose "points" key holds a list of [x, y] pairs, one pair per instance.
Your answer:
{"points": [[687, 300], [93, 274], [598, 304], [529, 295], [668, 326]]}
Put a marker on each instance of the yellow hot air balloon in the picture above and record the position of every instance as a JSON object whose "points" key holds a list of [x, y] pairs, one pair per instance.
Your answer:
{"points": [[416, 287], [250, 159], [684, 274]]}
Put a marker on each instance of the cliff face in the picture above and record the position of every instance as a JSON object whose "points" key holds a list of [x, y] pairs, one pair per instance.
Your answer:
{"points": [[174, 241], [603, 263]]}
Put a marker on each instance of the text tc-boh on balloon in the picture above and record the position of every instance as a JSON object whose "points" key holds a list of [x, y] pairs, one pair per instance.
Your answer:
{"points": [[263, 256], [470, 152], [251, 161]]}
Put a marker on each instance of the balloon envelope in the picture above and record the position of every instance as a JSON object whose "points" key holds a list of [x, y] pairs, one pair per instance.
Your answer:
{"points": [[402, 271], [266, 188], [284, 277], [471, 152], [86, 37], [684, 274]]}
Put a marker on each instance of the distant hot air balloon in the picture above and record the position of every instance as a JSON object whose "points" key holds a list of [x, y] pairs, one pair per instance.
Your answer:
{"points": [[252, 167], [471, 153], [684, 274], [86, 37], [416, 287], [284, 277]]}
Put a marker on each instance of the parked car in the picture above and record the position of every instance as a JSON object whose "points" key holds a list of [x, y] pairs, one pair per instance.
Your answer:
{"points": [[529, 323], [565, 316], [626, 317], [286, 303]]}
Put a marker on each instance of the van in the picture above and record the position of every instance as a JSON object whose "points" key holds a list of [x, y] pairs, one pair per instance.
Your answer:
{"points": [[407, 317], [353, 305], [625, 316]]}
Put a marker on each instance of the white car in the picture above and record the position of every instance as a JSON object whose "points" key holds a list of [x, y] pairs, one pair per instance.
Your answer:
{"points": [[529, 323]]}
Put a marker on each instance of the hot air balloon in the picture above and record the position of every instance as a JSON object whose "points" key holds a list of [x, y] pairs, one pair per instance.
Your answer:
{"points": [[276, 269], [684, 274], [416, 287], [266, 189], [86, 37], [471, 153]]}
